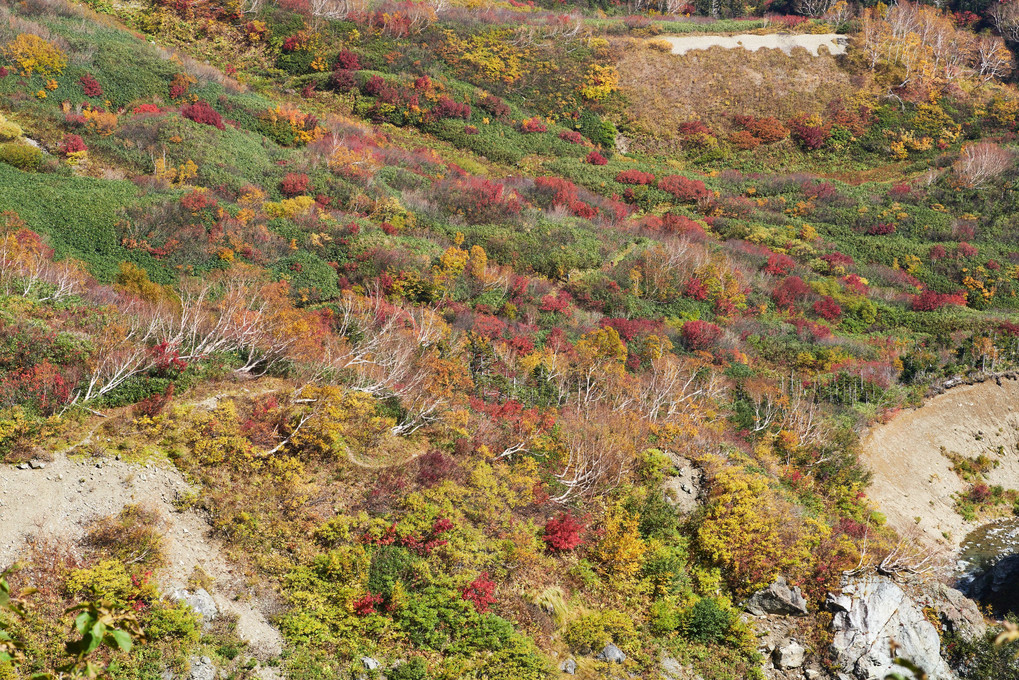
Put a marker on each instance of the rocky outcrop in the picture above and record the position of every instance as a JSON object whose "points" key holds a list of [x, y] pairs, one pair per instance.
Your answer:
{"points": [[683, 489], [871, 612], [778, 598], [959, 614]]}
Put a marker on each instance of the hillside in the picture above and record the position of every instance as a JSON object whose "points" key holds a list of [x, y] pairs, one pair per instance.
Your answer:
{"points": [[476, 340]]}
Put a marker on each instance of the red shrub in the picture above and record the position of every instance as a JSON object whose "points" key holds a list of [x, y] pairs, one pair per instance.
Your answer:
{"points": [[373, 86], [900, 191], [696, 289], [424, 83], [202, 112], [573, 137], [789, 291], [828, 309], [91, 86], [294, 184], [629, 329], [855, 284], [937, 252], [489, 327], [635, 177], [147, 108], [810, 136], [478, 200], [347, 61], [72, 144], [881, 229], [435, 466], [494, 106], [837, 259], [4, 72], [595, 158], [564, 533], [153, 405], [479, 592], [674, 223], [557, 303], [769, 129], [366, 605], [929, 301], [448, 108], [692, 128], [700, 335], [979, 492], [966, 250], [533, 125], [683, 188], [343, 81], [779, 264], [41, 386]]}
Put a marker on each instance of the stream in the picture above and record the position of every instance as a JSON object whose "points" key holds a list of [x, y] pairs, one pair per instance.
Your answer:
{"points": [[987, 569]]}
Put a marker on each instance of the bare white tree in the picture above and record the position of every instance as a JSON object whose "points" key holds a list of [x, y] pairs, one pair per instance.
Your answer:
{"points": [[981, 162]]}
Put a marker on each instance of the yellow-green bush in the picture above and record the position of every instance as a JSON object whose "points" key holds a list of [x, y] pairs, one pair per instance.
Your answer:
{"points": [[9, 131], [21, 156], [591, 632]]}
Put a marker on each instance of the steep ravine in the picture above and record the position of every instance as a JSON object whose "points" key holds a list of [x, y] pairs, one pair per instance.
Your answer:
{"points": [[913, 483]]}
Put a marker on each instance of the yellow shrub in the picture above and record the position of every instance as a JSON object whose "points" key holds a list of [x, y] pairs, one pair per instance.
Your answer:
{"points": [[32, 54], [600, 82], [621, 550], [289, 207]]}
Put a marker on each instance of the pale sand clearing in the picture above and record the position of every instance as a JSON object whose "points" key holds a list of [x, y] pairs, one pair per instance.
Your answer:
{"points": [[834, 42]]}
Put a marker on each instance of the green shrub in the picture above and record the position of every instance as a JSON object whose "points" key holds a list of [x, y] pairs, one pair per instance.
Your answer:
{"points": [[108, 580], [707, 621], [415, 669], [22, 156], [178, 623]]}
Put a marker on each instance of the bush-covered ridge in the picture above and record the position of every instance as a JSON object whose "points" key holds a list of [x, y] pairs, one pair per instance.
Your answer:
{"points": [[499, 334]]}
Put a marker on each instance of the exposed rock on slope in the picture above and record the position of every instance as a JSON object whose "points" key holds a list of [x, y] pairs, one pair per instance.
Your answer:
{"points": [[868, 615]]}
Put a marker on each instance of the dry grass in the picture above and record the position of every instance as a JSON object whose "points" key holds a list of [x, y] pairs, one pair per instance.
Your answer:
{"points": [[666, 89]]}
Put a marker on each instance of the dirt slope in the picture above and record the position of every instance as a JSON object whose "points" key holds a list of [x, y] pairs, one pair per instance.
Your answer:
{"points": [[913, 478], [57, 502]]}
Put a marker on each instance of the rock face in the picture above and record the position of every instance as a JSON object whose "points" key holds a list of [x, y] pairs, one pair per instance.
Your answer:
{"points": [[569, 667], [870, 613], [778, 598], [683, 490], [959, 614]]}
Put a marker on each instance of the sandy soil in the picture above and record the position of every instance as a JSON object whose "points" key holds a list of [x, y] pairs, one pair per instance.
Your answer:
{"points": [[913, 478], [57, 502], [833, 42]]}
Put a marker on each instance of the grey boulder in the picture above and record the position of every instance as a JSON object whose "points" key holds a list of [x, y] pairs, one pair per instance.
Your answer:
{"points": [[202, 669], [778, 598], [611, 654], [789, 655]]}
